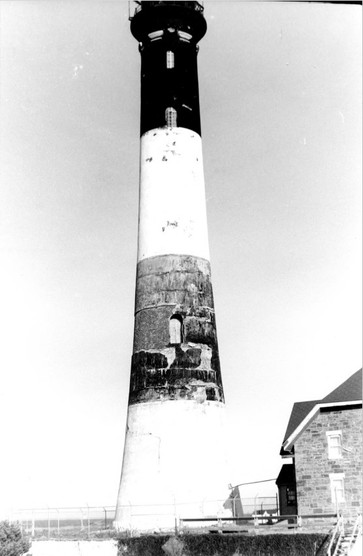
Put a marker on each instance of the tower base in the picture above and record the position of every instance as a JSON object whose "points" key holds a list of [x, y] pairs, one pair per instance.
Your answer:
{"points": [[174, 465]]}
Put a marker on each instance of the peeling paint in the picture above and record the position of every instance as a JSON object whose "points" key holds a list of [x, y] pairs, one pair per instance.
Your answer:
{"points": [[166, 286]]}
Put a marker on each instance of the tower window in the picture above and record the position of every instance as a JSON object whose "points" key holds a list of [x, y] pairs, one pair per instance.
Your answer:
{"points": [[175, 329], [169, 59], [170, 116]]}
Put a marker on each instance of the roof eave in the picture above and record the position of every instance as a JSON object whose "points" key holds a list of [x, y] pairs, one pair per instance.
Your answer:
{"points": [[289, 442]]}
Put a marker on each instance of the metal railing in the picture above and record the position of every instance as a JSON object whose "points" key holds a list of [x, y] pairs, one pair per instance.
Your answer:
{"points": [[295, 521], [337, 535], [357, 530]]}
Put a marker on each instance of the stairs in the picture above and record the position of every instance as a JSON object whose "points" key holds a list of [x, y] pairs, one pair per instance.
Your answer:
{"points": [[346, 543]]}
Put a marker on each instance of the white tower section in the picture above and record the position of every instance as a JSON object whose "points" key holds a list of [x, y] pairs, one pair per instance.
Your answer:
{"points": [[172, 196]]}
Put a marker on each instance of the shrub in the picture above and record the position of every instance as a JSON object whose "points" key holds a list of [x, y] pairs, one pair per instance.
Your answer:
{"points": [[299, 544], [251, 545], [12, 543]]}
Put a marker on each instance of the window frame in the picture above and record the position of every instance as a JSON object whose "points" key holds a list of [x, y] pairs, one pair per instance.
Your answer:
{"points": [[171, 117], [290, 496], [175, 333], [334, 478], [170, 59], [332, 447]]}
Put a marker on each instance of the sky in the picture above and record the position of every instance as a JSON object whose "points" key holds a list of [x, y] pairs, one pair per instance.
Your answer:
{"points": [[280, 107]]}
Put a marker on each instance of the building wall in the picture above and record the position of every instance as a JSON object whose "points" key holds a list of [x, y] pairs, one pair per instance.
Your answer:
{"points": [[314, 468]]}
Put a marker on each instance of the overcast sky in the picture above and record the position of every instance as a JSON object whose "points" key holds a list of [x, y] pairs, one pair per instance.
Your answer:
{"points": [[280, 106]]}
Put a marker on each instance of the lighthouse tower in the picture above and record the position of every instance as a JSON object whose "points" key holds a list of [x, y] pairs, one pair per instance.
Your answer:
{"points": [[174, 462]]}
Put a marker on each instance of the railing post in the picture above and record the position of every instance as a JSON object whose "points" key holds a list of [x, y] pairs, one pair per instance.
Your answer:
{"points": [[104, 509], [176, 525], [88, 523]]}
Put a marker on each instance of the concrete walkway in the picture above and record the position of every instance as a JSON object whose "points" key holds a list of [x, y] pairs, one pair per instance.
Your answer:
{"points": [[73, 548]]}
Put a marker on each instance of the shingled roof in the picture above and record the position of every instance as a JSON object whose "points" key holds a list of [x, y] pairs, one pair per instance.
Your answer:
{"points": [[348, 392]]}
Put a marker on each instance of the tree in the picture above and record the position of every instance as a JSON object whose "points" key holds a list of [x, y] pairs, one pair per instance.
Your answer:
{"points": [[12, 543]]}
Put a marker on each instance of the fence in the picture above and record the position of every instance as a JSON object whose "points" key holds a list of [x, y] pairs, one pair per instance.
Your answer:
{"points": [[97, 521], [257, 514], [241, 507], [67, 522]]}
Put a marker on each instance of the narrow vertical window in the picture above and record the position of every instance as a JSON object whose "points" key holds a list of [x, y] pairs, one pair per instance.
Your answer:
{"points": [[170, 117], [169, 59], [175, 329], [334, 444], [290, 496], [337, 487]]}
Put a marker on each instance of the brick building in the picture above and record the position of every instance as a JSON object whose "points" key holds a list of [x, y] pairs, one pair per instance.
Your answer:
{"points": [[324, 440]]}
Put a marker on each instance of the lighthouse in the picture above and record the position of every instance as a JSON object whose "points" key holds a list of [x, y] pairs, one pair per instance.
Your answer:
{"points": [[174, 460]]}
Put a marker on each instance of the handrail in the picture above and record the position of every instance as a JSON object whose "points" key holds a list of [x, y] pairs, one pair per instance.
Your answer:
{"points": [[259, 517], [269, 518], [339, 528], [356, 529]]}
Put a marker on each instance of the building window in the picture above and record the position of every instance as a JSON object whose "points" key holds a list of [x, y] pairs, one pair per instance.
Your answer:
{"points": [[170, 117], [290, 496], [170, 59], [334, 444], [337, 487], [175, 329]]}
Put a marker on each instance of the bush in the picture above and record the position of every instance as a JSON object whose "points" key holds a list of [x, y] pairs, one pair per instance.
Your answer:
{"points": [[12, 542], [299, 544]]}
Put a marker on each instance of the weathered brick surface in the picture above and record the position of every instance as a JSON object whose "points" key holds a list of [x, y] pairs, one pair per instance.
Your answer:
{"points": [[173, 280], [313, 467], [179, 286]]}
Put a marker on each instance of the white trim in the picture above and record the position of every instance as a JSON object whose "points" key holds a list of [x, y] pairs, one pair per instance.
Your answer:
{"points": [[287, 445]]}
